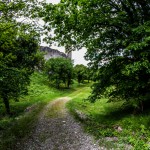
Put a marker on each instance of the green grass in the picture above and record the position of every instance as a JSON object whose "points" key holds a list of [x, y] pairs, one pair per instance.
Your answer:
{"points": [[56, 110], [104, 119], [22, 122]]}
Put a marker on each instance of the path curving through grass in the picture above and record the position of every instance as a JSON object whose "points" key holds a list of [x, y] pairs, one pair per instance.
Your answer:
{"points": [[56, 129]]}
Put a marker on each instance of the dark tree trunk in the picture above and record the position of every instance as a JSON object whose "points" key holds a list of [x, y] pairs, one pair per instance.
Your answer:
{"points": [[142, 106], [68, 84], [57, 83], [6, 102]]}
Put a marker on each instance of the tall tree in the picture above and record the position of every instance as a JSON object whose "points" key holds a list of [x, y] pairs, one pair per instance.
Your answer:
{"points": [[18, 50], [116, 34], [80, 72], [59, 70]]}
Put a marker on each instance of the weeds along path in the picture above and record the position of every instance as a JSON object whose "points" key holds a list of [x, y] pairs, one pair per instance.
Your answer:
{"points": [[57, 130]]}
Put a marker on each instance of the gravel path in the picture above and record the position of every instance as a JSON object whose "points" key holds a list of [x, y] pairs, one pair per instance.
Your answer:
{"points": [[57, 130]]}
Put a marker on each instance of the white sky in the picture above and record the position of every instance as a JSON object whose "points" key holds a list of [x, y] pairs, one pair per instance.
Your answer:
{"points": [[77, 56], [53, 1]]}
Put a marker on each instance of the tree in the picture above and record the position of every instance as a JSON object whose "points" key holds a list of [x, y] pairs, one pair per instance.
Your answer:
{"points": [[116, 35], [18, 58], [89, 74], [18, 52], [59, 70], [80, 72]]}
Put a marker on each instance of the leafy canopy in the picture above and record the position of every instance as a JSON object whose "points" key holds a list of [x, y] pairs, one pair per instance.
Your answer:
{"points": [[18, 49], [117, 37], [59, 70], [80, 72]]}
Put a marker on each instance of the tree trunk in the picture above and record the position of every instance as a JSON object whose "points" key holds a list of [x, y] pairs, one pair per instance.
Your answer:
{"points": [[57, 83], [6, 102], [68, 84], [142, 107]]}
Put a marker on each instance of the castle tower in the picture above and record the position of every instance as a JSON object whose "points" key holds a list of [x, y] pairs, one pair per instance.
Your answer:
{"points": [[69, 55], [68, 51]]}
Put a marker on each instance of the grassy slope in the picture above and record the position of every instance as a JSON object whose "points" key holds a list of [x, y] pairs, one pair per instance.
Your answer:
{"points": [[25, 112], [103, 118], [109, 120]]}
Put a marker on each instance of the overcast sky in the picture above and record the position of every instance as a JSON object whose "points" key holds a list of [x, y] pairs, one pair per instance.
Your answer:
{"points": [[77, 56]]}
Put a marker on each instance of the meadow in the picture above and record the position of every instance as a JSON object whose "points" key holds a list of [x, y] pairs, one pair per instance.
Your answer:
{"points": [[112, 124], [24, 113]]}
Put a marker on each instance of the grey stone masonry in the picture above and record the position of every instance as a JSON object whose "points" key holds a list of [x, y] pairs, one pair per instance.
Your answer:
{"points": [[51, 53]]}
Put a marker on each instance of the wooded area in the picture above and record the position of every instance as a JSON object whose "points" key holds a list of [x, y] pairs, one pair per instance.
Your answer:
{"points": [[116, 34]]}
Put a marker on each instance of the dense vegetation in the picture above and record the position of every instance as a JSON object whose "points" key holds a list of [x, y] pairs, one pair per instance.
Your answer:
{"points": [[59, 70], [19, 42], [113, 125], [80, 73], [25, 112], [116, 35]]}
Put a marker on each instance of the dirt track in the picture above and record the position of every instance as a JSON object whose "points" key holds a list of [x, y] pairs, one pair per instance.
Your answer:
{"points": [[57, 130]]}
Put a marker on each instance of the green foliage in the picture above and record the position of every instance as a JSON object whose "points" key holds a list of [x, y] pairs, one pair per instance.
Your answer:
{"points": [[18, 50], [116, 35], [104, 120], [81, 73], [18, 60], [59, 70], [25, 112]]}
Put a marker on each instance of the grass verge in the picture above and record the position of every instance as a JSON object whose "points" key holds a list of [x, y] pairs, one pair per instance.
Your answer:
{"points": [[25, 112], [110, 123]]}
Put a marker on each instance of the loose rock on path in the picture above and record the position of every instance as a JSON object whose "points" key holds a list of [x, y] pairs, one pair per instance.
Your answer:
{"points": [[57, 130]]}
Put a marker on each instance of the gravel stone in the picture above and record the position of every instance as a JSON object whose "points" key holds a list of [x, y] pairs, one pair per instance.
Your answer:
{"points": [[59, 132]]}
